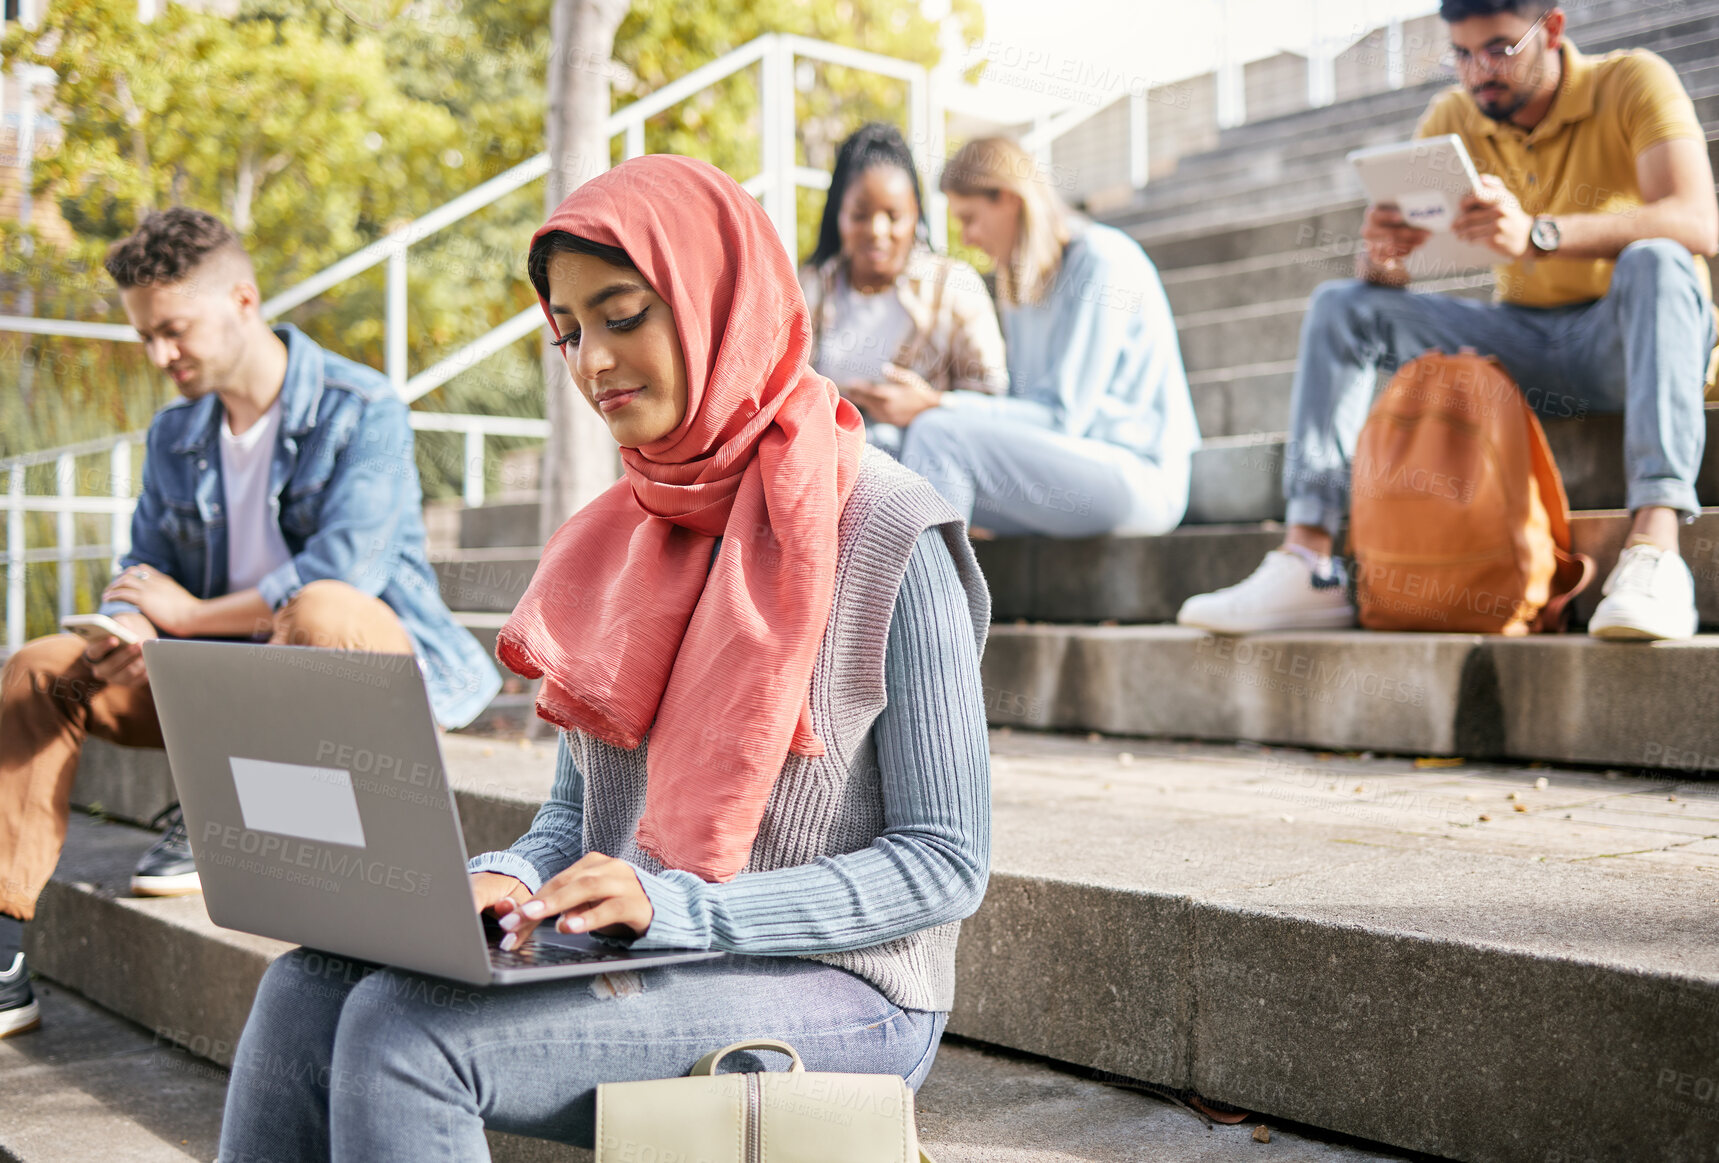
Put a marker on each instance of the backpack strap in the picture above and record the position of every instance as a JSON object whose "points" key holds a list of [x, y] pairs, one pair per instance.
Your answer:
{"points": [[1574, 571]]}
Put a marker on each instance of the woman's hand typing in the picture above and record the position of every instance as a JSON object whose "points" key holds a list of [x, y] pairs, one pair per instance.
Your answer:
{"points": [[497, 892], [597, 894]]}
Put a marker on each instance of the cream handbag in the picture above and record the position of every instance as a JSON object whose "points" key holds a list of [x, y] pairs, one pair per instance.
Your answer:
{"points": [[781, 1117]]}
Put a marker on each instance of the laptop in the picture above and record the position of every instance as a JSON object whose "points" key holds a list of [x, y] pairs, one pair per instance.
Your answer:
{"points": [[1427, 179], [318, 811]]}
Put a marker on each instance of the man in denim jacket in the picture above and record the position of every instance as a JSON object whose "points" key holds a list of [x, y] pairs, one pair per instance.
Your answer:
{"points": [[280, 501]]}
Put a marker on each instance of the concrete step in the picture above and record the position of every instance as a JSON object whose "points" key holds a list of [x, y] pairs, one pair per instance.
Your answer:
{"points": [[1564, 698], [485, 581], [1270, 332], [1446, 959], [1235, 479], [92, 1085], [1684, 38], [1173, 247], [187, 983], [1146, 579], [1239, 478], [499, 524], [1241, 401]]}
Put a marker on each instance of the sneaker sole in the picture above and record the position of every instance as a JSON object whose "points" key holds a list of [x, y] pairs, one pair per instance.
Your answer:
{"points": [[1343, 619], [21, 1020], [185, 884], [1623, 630], [1626, 633]]}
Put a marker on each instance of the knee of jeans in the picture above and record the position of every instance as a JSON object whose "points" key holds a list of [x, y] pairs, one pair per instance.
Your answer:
{"points": [[389, 1023], [1338, 300], [1653, 259], [931, 432]]}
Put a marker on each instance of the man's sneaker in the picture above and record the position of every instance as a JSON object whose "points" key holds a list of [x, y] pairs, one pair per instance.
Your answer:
{"points": [[167, 868], [1282, 594], [1650, 594], [18, 1010]]}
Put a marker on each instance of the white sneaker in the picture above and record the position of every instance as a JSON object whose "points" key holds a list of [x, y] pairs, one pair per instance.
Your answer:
{"points": [[1650, 594], [1282, 594]]}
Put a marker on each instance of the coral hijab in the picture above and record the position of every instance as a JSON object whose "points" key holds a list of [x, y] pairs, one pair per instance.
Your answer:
{"points": [[631, 624]]}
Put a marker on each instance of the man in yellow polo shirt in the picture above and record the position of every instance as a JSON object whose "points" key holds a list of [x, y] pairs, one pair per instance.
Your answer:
{"points": [[1598, 199]]}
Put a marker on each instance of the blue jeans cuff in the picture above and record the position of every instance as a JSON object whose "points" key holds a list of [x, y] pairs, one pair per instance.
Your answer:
{"points": [[1679, 495], [1315, 511]]}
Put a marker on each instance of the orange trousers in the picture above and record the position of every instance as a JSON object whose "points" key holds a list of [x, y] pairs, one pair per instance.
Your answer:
{"points": [[50, 700]]}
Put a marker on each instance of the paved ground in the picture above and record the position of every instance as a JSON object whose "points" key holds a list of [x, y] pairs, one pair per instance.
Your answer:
{"points": [[1633, 822]]}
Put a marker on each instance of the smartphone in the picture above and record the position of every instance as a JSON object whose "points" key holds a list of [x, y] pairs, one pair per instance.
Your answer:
{"points": [[97, 627]]}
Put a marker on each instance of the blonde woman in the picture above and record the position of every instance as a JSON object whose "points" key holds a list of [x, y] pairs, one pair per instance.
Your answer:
{"points": [[890, 317], [1097, 431]]}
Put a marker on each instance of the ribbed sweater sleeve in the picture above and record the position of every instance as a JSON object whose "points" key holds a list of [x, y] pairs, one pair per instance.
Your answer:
{"points": [[556, 837], [932, 860]]}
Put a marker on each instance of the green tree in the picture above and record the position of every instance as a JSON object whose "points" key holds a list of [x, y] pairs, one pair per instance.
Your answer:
{"points": [[317, 127]]}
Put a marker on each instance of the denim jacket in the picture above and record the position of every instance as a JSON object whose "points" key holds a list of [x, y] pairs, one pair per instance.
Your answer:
{"points": [[343, 484]]}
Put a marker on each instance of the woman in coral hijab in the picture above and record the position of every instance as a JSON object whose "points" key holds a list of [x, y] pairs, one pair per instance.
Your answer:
{"points": [[761, 647]]}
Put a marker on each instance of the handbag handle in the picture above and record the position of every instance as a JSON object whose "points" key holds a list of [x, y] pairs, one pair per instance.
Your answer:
{"points": [[708, 1064]]}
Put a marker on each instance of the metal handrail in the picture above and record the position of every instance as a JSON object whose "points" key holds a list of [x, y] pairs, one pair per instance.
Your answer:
{"points": [[779, 177]]}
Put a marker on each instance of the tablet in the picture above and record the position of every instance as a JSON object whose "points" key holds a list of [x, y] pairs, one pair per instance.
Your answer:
{"points": [[1427, 179]]}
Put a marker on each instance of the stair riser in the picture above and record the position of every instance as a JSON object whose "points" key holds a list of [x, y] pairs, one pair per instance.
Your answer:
{"points": [[1242, 404], [499, 526], [1146, 579], [1427, 694], [1239, 482], [492, 586], [1263, 1011]]}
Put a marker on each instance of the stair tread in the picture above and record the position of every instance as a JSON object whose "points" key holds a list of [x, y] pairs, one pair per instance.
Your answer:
{"points": [[91, 1085], [1222, 844]]}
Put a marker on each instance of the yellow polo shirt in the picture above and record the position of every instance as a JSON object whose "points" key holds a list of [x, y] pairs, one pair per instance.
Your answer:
{"points": [[1580, 159]]}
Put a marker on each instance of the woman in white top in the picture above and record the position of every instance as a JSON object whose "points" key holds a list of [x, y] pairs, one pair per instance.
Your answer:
{"points": [[890, 318]]}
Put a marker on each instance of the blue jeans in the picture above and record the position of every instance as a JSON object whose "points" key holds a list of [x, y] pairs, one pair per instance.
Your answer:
{"points": [[1018, 479], [1641, 350], [343, 1060]]}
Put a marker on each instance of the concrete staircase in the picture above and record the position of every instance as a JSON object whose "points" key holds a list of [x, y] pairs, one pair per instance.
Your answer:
{"points": [[1448, 893], [1475, 961]]}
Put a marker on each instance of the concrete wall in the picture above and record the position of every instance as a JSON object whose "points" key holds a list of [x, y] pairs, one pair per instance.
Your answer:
{"points": [[1275, 85], [1181, 120], [1092, 159]]}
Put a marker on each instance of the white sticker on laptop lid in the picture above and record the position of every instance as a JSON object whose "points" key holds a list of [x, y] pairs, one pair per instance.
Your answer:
{"points": [[311, 803], [1426, 209]]}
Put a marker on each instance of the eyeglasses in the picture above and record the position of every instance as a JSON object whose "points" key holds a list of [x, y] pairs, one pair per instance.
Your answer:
{"points": [[1490, 59]]}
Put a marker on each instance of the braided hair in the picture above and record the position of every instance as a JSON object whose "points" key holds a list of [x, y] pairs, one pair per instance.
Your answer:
{"points": [[871, 145]]}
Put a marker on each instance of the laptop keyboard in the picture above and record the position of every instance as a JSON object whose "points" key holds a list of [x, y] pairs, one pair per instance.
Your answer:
{"points": [[539, 953]]}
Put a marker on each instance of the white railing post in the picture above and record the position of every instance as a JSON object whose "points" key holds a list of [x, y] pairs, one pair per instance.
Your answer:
{"points": [[1396, 63], [1231, 83], [1139, 154], [776, 78], [119, 485], [15, 560], [928, 148], [396, 349], [635, 143], [65, 531], [474, 467]]}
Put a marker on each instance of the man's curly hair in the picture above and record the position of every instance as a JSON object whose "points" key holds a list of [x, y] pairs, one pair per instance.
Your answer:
{"points": [[168, 246]]}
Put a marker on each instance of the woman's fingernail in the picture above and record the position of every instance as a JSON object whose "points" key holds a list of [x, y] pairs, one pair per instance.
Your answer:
{"points": [[509, 921], [572, 924], [533, 908], [509, 942]]}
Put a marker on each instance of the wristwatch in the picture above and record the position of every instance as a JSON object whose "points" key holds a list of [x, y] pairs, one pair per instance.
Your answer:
{"points": [[1544, 235]]}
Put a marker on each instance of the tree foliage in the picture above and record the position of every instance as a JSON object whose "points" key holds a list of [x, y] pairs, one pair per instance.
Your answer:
{"points": [[315, 127]]}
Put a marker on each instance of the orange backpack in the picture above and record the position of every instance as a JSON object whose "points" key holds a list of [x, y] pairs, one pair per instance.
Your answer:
{"points": [[1458, 520]]}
